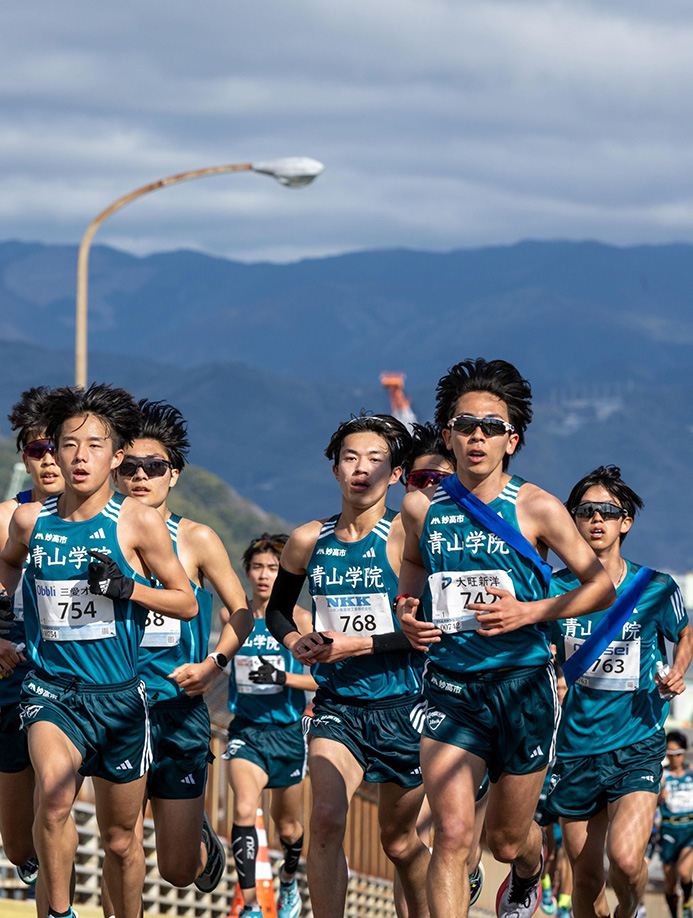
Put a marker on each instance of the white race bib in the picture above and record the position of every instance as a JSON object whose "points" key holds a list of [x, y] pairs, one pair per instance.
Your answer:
{"points": [[69, 612], [245, 665], [160, 631], [364, 615], [452, 591], [617, 670]]}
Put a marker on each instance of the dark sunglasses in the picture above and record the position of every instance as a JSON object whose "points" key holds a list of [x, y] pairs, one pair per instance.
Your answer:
{"points": [[607, 511], [490, 427], [37, 449], [276, 542], [422, 478], [152, 468]]}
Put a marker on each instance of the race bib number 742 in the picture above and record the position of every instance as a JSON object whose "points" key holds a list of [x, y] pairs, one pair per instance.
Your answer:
{"points": [[453, 591]]}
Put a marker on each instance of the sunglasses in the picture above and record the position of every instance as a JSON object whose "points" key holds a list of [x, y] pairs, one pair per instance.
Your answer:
{"points": [[276, 542], [606, 510], [490, 427], [422, 478], [671, 752], [152, 468], [37, 449]]}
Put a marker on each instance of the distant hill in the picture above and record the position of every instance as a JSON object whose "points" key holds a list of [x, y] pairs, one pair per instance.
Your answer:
{"points": [[265, 360]]}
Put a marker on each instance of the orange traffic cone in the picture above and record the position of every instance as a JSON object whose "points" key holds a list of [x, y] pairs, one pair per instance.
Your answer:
{"points": [[263, 876]]}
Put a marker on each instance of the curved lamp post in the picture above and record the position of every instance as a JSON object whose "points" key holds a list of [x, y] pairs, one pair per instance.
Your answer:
{"points": [[293, 172]]}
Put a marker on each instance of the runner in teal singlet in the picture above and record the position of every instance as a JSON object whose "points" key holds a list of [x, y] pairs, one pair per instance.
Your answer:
{"points": [[611, 740], [676, 828], [84, 706], [16, 773], [267, 698], [365, 711], [486, 605], [173, 658]]}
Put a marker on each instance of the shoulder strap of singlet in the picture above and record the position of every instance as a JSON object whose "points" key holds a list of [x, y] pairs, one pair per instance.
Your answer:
{"points": [[113, 507], [172, 525], [24, 497], [50, 507], [608, 627], [477, 509], [328, 527]]}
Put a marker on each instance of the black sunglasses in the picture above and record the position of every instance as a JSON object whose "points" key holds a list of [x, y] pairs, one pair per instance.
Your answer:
{"points": [[490, 427], [37, 449], [606, 510], [152, 468]]}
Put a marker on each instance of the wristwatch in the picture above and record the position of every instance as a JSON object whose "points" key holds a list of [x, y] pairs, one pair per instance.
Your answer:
{"points": [[220, 659]]}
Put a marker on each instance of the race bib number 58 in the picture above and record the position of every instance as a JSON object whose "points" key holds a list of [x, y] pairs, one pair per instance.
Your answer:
{"points": [[69, 612]]}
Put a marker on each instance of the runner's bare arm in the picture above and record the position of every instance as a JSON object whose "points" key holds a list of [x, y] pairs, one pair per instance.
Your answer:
{"points": [[674, 680], [543, 519], [145, 533], [412, 575], [16, 548]]}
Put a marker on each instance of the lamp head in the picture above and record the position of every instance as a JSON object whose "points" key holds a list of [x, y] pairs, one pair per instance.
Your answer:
{"points": [[293, 171]]}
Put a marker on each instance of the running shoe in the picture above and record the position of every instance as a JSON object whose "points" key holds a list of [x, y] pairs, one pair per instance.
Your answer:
{"points": [[476, 883], [211, 876], [519, 897], [28, 872], [687, 907], [548, 903], [251, 911], [289, 905], [564, 911]]}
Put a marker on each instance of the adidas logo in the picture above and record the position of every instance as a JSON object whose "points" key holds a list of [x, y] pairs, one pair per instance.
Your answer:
{"points": [[104, 584], [124, 766], [537, 751], [369, 554], [295, 774], [188, 780], [99, 534]]}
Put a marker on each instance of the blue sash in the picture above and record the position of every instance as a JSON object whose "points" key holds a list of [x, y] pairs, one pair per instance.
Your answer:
{"points": [[608, 627], [477, 509]]}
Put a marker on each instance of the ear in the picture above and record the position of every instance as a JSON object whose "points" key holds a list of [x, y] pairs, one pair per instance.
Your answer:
{"points": [[117, 458], [175, 473], [513, 440], [447, 437], [626, 523], [396, 474], [335, 472]]}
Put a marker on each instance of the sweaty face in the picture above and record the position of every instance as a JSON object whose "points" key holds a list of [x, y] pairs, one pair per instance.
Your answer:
{"points": [[601, 534], [364, 471], [475, 453], [150, 491], [262, 572], [85, 453], [45, 472]]}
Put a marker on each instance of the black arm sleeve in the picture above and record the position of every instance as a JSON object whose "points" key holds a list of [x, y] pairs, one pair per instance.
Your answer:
{"points": [[280, 608], [395, 642]]}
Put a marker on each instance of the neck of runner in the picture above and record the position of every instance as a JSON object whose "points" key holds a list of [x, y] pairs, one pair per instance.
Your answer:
{"points": [[355, 523], [74, 507], [487, 488]]}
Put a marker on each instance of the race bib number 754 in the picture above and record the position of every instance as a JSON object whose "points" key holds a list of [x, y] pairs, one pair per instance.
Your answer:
{"points": [[69, 612]]}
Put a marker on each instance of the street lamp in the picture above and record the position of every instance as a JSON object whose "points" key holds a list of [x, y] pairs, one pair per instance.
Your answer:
{"points": [[293, 172]]}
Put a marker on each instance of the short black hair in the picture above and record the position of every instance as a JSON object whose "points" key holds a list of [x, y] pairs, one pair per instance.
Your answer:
{"points": [[499, 378], [265, 542], [28, 415], [609, 478], [164, 423], [115, 407], [675, 736], [394, 433], [426, 440]]}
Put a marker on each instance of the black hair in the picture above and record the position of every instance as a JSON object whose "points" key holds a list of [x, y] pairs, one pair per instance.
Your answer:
{"points": [[675, 736], [164, 423], [28, 415], [390, 429], [265, 542], [116, 408], [426, 440], [499, 378], [609, 478]]}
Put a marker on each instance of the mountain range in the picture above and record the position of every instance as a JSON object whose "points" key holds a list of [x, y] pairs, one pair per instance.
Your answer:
{"points": [[266, 359]]}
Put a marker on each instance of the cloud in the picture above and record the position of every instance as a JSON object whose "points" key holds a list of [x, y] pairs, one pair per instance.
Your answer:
{"points": [[441, 124]]}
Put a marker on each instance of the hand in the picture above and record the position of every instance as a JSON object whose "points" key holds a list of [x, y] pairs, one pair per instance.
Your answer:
{"points": [[329, 647], [6, 615], [9, 658], [507, 614], [670, 683], [420, 634], [107, 579], [267, 674], [194, 678]]}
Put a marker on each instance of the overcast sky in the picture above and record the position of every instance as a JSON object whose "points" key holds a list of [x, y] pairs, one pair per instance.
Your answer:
{"points": [[442, 123]]}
